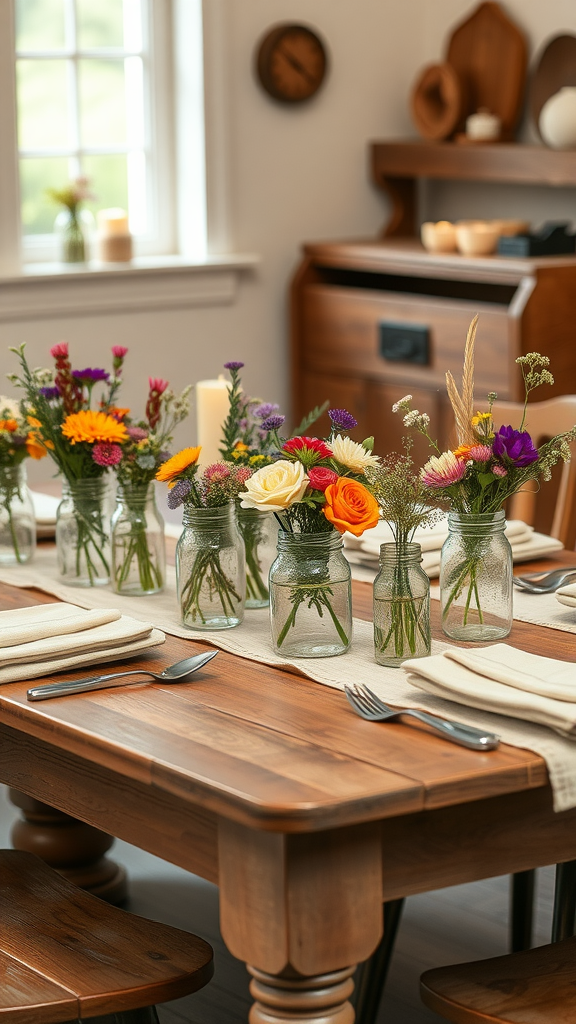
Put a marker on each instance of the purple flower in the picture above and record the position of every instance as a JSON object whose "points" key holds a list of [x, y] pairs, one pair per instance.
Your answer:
{"points": [[341, 419], [514, 447], [90, 375], [179, 493], [136, 433], [272, 423], [265, 410], [233, 366], [50, 393]]}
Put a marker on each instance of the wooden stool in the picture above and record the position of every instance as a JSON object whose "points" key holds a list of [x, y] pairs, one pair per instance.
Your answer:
{"points": [[65, 954], [537, 986]]}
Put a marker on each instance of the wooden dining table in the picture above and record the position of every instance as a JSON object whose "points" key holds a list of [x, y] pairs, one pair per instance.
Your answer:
{"points": [[307, 817]]}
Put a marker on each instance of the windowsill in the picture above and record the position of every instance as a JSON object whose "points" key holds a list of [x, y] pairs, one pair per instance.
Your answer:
{"points": [[153, 282]]}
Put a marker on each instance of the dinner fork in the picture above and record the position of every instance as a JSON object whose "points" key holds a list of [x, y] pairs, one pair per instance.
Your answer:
{"points": [[547, 585], [366, 704]]}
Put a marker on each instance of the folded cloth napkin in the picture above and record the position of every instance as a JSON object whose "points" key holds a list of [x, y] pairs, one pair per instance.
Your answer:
{"points": [[24, 625], [106, 636], [504, 680], [567, 595]]}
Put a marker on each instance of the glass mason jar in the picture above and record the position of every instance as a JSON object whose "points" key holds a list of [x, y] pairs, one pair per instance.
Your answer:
{"points": [[310, 596], [74, 233], [401, 606], [260, 534], [83, 532], [476, 578], [138, 549], [17, 520], [210, 573]]}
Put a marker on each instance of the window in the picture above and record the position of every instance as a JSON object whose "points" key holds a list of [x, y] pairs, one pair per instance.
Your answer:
{"points": [[94, 98]]}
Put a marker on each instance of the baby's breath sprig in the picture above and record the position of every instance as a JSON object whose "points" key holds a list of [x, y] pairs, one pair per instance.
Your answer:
{"points": [[533, 367], [404, 500]]}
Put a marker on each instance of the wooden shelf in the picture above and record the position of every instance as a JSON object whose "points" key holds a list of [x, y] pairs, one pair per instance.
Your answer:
{"points": [[397, 165]]}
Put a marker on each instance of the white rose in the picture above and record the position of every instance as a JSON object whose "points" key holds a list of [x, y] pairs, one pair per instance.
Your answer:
{"points": [[275, 487]]}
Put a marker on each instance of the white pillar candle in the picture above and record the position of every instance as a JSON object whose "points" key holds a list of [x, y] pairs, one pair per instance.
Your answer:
{"points": [[114, 238], [211, 411], [112, 222]]}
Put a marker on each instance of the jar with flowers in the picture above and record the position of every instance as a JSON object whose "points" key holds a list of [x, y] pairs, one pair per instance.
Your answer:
{"points": [[17, 522], [74, 226], [317, 491]]}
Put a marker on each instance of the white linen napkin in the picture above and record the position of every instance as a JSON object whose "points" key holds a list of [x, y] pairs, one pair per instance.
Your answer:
{"points": [[503, 680], [567, 595], [24, 625]]}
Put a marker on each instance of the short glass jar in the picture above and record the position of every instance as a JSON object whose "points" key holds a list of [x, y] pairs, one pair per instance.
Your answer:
{"points": [[74, 232], [210, 570], [260, 534], [83, 532], [401, 605], [138, 549], [17, 520], [310, 596], [476, 578]]}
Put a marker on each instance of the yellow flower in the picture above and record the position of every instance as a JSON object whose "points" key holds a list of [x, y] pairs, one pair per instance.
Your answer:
{"points": [[255, 459], [480, 418], [240, 447], [35, 447], [178, 463], [463, 451], [93, 426], [34, 422]]}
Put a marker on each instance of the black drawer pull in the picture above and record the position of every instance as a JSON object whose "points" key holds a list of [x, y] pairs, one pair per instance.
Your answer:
{"points": [[404, 343]]}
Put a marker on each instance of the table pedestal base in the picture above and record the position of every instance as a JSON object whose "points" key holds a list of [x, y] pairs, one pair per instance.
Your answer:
{"points": [[72, 848], [322, 999]]}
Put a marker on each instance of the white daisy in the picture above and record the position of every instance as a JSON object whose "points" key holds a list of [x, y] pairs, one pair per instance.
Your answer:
{"points": [[351, 454]]}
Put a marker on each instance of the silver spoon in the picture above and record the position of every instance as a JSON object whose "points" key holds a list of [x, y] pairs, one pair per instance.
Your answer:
{"points": [[178, 673]]}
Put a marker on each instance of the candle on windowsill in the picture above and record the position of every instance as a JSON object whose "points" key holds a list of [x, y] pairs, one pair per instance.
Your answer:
{"points": [[114, 238], [211, 411]]}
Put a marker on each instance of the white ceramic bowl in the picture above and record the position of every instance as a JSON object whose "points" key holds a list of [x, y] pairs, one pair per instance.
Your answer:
{"points": [[438, 236], [512, 227], [477, 238]]}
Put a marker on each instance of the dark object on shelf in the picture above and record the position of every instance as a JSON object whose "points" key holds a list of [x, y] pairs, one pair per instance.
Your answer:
{"points": [[556, 67], [404, 343], [552, 240], [439, 102]]}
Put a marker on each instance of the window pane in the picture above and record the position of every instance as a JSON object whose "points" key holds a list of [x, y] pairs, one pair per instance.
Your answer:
{"points": [[108, 181], [100, 23], [42, 104], [39, 24], [102, 102], [36, 175]]}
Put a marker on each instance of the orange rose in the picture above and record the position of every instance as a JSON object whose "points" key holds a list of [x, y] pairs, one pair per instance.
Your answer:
{"points": [[349, 506]]}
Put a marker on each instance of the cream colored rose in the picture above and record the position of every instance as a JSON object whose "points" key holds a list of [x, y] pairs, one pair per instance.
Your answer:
{"points": [[351, 454], [275, 487]]}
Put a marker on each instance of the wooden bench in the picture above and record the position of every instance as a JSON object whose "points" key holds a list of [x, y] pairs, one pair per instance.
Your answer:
{"points": [[65, 954]]}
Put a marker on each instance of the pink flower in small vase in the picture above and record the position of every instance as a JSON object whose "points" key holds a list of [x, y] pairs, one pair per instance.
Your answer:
{"points": [[443, 470]]}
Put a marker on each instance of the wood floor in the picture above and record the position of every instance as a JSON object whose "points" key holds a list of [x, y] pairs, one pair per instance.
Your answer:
{"points": [[449, 926]]}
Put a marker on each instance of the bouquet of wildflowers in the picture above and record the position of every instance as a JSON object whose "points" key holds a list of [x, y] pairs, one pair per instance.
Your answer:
{"points": [[209, 564], [71, 198], [138, 557], [489, 465], [17, 442], [83, 442], [315, 487]]}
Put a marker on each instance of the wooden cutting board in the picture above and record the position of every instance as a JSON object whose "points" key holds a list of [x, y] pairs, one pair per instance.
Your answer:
{"points": [[555, 68], [489, 53]]}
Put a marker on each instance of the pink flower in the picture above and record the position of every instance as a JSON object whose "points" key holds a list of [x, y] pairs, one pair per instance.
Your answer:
{"points": [[321, 477], [105, 454], [480, 453], [217, 472], [59, 351], [119, 351], [499, 471], [443, 470], [137, 433], [157, 384], [243, 474]]}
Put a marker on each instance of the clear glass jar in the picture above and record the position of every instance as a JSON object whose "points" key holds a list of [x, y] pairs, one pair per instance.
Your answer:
{"points": [[83, 532], [401, 606], [74, 232], [260, 534], [476, 578], [210, 573], [138, 549], [17, 520], [310, 596]]}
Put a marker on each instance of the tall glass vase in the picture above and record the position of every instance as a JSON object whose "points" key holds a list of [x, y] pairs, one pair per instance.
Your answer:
{"points": [[17, 521], [401, 606], [260, 534], [310, 596], [83, 532], [74, 232], [138, 549], [476, 578], [210, 573]]}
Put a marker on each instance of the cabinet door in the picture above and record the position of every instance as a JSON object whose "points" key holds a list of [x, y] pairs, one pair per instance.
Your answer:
{"points": [[388, 427], [342, 392]]}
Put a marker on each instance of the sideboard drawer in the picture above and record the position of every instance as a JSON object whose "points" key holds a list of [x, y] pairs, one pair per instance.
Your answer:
{"points": [[342, 334]]}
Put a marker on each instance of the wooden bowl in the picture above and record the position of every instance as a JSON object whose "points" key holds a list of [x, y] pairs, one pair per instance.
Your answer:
{"points": [[477, 237], [438, 102], [511, 227], [439, 236]]}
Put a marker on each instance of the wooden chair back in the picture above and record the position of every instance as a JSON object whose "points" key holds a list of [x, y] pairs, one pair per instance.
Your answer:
{"points": [[66, 955], [550, 507]]}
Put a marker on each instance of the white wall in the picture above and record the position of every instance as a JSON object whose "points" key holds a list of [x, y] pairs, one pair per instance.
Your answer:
{"points": [[298, 173]]}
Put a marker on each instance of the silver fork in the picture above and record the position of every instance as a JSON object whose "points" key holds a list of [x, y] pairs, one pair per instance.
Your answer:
{"points": [[546, 586], [366, 704]]}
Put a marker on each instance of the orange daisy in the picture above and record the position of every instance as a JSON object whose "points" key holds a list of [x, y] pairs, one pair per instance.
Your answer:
{"points": [[92, 427], [10, 425], [35, 447], [178, 463], [463, 451]]}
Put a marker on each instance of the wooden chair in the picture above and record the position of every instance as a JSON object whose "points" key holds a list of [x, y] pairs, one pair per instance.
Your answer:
{"points": [[66, 955], [537, 986]]}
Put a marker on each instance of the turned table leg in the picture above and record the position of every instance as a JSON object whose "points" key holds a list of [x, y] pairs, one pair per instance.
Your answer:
{"points": [[301, 910], [74, 849]]}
